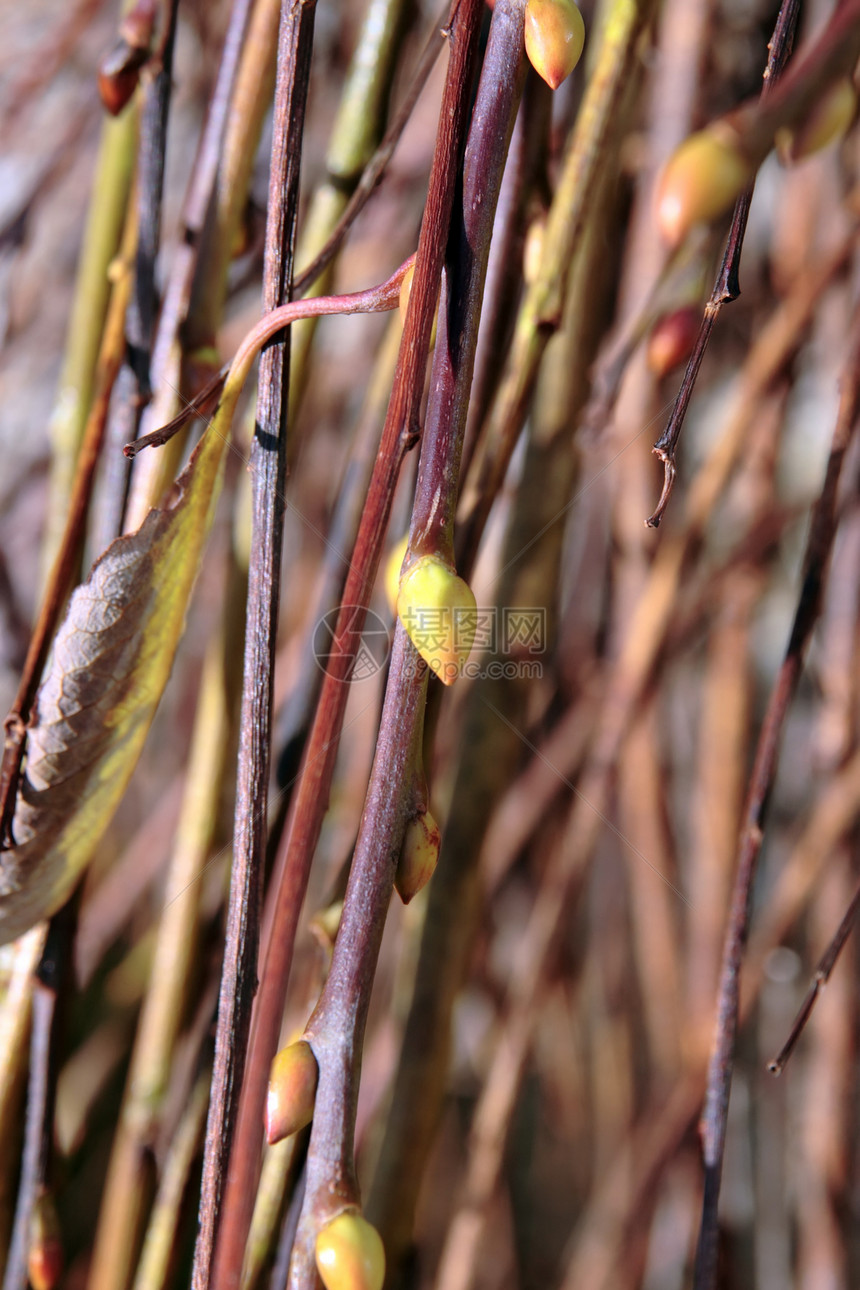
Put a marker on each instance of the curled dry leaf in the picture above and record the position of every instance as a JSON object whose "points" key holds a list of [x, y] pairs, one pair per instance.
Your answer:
{"points": [[108, 667], [112, 656]]}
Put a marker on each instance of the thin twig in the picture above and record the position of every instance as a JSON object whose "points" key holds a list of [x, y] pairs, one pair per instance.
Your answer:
{"points": [[38, 1128], [399, 434], [826, 964], [818, 547], [133, 387], [376, 166], [727, 286], [268, 467], [397, 790], [65, 564]]}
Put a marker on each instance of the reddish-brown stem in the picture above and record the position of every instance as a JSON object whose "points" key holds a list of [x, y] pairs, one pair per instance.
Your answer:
{"points": [[818, 547], [436, 491], [268, 473], [375, 168], [396, 791], [398, 435]]}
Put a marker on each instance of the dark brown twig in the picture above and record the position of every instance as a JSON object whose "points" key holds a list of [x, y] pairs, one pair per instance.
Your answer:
{"points": [[133, 386], [826, 964], [818, 547], [375, 168], [38, 1128], [268, 467], [727, 286]]}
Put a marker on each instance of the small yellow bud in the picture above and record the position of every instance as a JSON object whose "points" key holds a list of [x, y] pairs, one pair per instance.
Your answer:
{"points": [[418, 856], [406, 290], [533, 248], [440, 615], [350, 1254], [292, 1091], [702, 178], [555, 35], [672, 339], [45, 1255], [828, 121], [392, 572], [326, 923]]}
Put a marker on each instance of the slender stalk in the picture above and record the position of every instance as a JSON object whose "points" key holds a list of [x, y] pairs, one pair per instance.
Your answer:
{"points": [[133, 387], [158, 1247], [396, 791], [38, 1128], [378, 162], [105, 221], [65, 564], [818, 547], [727, 286], [128, 1178], [826, 964], [400, 432], [268, 467], [354, 134], [541, 310], [151, 479]]}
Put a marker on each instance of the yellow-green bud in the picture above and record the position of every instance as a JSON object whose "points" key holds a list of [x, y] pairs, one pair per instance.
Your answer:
{"points": [[45, 1254], [555, 35], [828, 121], [292, 1091], [326, 923], [350, 1254], [392, 572], [418, 856], [440, 614], [702, 178]]}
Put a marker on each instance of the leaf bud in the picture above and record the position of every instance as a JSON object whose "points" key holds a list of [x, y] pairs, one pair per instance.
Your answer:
{"points": [[533, 248], [45, 1255], [701, 179], [555, 35], [350, 1254], [418, 856], [672, 339], [393, 566], [292, 1091], [440, 615], [119, 71], [325, 924], [829, 120]]}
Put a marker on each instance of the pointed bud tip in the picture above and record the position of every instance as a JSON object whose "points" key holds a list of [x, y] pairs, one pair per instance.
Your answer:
{"points": [[700, 181], [350, 1254], [292, 1091], [45, 1255], [418, 856], [554, 37], [439, 612]]}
